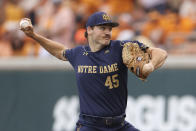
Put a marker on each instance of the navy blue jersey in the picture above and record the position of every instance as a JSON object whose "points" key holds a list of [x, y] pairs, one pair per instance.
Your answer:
{"points": [[101, 79]]}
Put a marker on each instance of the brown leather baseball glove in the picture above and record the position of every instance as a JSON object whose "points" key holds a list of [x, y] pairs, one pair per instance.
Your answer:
{"points": [[135, 57]]}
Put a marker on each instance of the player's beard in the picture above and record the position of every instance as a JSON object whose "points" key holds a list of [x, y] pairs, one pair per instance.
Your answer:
{"points": [[106, 40]]}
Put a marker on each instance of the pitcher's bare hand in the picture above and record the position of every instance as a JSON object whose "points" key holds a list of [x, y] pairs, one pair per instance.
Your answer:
{"points": [[26, 26]]}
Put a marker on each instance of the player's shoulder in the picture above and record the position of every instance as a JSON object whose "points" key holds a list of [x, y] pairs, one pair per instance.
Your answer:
{"points": [[116, 43], [79, 47], [72, 54], [120, 42], [73, 51]]}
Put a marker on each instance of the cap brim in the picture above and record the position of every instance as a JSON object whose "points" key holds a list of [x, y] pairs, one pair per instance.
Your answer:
{"points": [[113, 24]]}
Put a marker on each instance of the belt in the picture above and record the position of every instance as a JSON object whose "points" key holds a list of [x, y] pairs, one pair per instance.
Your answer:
{"points": [[104, 121]]}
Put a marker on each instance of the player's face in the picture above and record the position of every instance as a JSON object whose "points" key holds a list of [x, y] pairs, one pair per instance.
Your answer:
{"points": [[102, 34]]}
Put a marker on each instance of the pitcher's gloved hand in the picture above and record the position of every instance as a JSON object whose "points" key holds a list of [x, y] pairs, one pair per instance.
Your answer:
{"points": [[137, 59]]}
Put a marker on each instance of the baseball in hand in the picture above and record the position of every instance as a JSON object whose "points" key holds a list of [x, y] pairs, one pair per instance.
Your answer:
{"points": [[148, 68], [24, 23]]}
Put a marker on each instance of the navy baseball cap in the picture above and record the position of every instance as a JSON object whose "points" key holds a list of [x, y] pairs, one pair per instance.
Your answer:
{"points": [[100, 18]]}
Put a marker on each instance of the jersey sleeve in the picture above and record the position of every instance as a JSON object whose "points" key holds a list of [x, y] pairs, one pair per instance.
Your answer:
{"points": [[71, 55]]}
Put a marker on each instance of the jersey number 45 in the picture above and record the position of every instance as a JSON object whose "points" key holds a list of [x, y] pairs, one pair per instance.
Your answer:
{"points": [[112, 81]]}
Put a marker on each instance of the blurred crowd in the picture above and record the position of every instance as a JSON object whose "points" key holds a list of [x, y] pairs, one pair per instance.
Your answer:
{"points": [[168, 24]]}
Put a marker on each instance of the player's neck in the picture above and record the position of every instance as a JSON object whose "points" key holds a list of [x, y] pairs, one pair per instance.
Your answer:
{"points": [[95, 46]]}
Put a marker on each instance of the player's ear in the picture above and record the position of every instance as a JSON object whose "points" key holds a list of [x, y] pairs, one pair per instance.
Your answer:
{"points": [[90, 30]]}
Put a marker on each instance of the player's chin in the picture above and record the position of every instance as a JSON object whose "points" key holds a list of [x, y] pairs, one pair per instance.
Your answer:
{"points": [[106, 42]]}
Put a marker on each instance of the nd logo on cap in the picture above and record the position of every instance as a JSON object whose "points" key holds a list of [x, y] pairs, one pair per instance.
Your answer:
{"points": [[106, 17], [100, 18]]}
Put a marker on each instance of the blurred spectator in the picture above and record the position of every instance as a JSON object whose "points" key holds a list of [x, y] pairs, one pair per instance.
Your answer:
{"points": [[140, 18], [2, 14], [22, 45], [79, 37], [81, 15], [90, 6], [105, 6], [17, 42], [5, 46], [152, 29], [126, 31], [13, 13], [30, 7], [43, 13], [168, 24], [145, 40], [177, 30], [174, 4], [173, 24], [188, 9], [57, 21], [114, 7], [159, 5], [161, 28], [63, 23]]}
